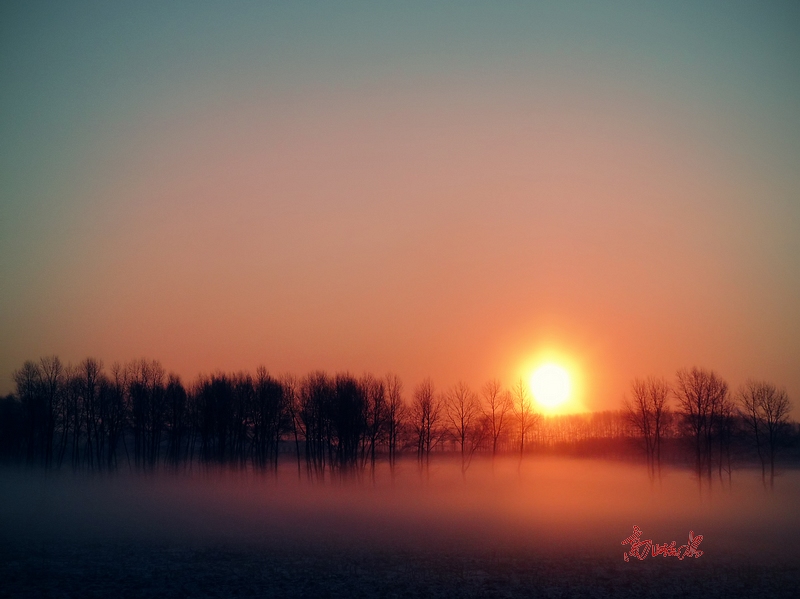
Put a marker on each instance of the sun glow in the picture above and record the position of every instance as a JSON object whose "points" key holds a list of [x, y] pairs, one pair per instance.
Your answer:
{"points": [[555, 379], [550, 385]]}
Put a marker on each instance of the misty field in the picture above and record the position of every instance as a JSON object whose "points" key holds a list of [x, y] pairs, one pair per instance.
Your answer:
{"points": [[551, 528]]}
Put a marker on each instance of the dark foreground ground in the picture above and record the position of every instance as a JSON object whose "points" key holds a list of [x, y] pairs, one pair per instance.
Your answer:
{"points": [[144, 570]]}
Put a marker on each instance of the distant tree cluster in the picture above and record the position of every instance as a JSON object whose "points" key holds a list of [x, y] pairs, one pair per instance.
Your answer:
{"points": [[713, 425]]}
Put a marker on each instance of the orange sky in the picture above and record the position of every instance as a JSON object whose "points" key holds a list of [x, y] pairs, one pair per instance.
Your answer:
{"points": [[446, 209]]}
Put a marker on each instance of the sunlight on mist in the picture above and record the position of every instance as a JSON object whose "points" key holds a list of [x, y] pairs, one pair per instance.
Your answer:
{"points": [[552, 505]]}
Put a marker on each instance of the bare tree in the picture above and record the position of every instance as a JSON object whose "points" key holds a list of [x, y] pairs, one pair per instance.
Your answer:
{"points": [[527, 418], [495, 406], [725, 429], [462, 411], [241, 420], [426, 416], [91, 383], [375, 417], [292, 403], [637, 410], [658, 391], [700, 394], [395, 414], [53, 381], [315, 393], [346, 423], [765, 409], [69, 418], [175, 419], [28, 382], [214, 412], [146, 395], [647, 411], [775, 408], [117, 412], [269, 419]]}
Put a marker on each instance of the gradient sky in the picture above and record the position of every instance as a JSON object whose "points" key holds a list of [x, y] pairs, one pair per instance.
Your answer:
{"points": [[444, 189]]}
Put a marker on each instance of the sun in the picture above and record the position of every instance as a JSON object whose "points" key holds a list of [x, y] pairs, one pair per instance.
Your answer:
{"points": [[550, 385]]}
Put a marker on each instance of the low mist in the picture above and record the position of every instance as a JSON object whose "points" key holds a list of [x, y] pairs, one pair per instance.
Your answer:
{"points": [[557, 506]]}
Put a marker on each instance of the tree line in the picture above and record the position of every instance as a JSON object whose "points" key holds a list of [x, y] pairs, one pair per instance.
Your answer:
{"points": [[717, 427], [138, 416]]}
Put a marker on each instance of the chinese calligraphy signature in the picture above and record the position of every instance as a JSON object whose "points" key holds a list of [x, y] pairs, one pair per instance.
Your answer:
{"points": [[640, 549]]}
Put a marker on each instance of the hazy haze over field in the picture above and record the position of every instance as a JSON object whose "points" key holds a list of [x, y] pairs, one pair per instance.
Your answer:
{"points": [[554, 505]]}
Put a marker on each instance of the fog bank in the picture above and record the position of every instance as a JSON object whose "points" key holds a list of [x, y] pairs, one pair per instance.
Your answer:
{"points": [[548, 505]]}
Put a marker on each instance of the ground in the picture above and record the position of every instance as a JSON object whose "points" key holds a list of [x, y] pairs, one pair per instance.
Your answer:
{"points": [[553, 530], [123, 569]]}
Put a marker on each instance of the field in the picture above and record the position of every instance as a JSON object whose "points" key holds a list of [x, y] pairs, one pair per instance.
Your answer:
{"points": [[550, 529]]}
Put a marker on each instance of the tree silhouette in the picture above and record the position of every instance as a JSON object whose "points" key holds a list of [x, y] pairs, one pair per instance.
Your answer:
{"points": [[269, 419], [175, 422], [765, 410], [426, 417], [146, 391], [291, 404], [526, 417], [462, 411], [647, 411], [52, 376], [495, 406], [28, 383], [117, 412], [725, 429], [375, 418], [315, 394], [395, 416], [701, 395], [346, 414]]}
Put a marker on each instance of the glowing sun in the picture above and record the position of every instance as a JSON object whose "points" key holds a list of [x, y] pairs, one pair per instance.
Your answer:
{"points": [[550, 385]]}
